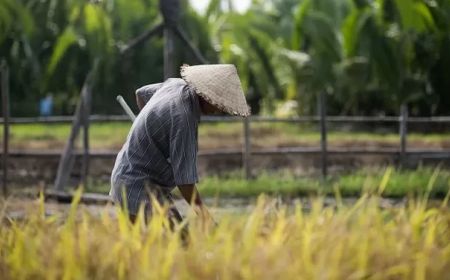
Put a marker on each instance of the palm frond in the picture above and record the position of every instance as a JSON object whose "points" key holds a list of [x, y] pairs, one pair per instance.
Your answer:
{"points": [[68, 38]]}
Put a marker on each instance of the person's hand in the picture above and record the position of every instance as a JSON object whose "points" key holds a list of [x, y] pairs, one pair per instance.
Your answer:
{"points": [[191, 195], [207, 220]]}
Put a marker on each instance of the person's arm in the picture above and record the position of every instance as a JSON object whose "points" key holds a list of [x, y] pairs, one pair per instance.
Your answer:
{"points": [[192, 196]]}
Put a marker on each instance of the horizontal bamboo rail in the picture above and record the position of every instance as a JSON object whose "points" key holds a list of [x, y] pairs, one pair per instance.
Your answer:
{"points": [[336, 119]]}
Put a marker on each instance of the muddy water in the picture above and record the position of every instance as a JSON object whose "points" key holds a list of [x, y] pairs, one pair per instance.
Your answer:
{"points": [[17, 208], [245, 205]]}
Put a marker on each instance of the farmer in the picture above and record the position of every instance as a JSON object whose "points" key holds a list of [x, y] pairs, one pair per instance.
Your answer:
{"points": [[160, 152]]}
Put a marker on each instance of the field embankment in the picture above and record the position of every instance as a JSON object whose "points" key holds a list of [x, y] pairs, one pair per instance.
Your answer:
{"points": [[111, 136], [47, 141]]}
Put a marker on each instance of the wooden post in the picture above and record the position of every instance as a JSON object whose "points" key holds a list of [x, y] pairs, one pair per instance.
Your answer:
{"points": [[86, 108], [5, 102], [67, 158], [169, 53], [247, 149], [403, 132], [323, 133]]}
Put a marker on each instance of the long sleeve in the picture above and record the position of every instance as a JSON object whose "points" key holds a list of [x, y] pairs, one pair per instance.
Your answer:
{"points": [[146, 92], [183, 142]]}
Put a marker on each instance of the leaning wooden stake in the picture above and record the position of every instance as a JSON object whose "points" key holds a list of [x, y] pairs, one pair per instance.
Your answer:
{"points": [[182, 35], [142, 38], [5, 102], [170, 27], [67, 158]]}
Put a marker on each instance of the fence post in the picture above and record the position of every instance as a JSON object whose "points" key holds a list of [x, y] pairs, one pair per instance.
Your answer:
{"points": [[86, 109], [403, 132], [169, 53], [323, 132], [247, 149], [5, 101]]}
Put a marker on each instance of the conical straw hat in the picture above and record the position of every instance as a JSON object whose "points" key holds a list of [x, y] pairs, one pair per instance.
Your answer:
{"points": [[219, 85]]}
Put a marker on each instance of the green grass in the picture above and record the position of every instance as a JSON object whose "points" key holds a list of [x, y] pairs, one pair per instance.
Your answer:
{"points": [[221, 135], [102, 135], [401, 183]]}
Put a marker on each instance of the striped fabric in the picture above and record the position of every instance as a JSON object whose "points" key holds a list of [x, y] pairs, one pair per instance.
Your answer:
{"points": [[161, 147]]}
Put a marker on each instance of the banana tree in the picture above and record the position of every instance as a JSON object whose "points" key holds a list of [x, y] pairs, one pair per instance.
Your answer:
{"points": [[16, 26], [249, 41], [84, 37], [316, 50], [438, 49], [389, 33], [44, 42]]}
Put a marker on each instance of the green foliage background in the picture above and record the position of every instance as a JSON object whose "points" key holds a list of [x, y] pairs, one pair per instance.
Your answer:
{"points": [[369, 56]]}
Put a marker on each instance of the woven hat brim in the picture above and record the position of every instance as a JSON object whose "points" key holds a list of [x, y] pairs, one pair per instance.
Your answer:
{"points": [[219, 85]]}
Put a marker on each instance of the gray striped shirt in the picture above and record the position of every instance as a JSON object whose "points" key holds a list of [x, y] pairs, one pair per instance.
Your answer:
{"points": [[161, 147]]}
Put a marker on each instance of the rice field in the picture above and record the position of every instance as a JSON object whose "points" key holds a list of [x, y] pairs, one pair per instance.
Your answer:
{"points": [[272, 241]]}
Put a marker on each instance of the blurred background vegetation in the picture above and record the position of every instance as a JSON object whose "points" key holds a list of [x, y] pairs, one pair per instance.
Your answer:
{"points": [[369, 56]]}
